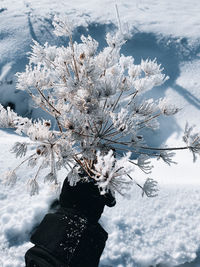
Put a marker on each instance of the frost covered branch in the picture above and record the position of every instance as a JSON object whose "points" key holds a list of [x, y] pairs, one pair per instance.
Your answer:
{"points": [[97, 100], [150, 188]]}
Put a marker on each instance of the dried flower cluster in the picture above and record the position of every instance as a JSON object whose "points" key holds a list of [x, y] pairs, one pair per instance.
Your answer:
{"points": [[97, 101]]}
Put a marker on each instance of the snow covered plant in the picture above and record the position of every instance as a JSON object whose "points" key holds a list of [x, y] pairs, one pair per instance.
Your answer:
{"points": [[97, 101]]}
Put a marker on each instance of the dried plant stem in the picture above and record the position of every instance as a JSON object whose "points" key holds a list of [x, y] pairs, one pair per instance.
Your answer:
{"points": [[51, 62], [134, 95], [24, 161], [47, 101], [196, 139], [95, 126], [82, 134], [56, 117], [53, 168], [69, 166], [90, 126], [104, 127], [42, 107], [166, 148], [68, 72], [105, 103], [116, 142], [129, 176], [117, 101], [118, 18], [37, 173], [149, 119], [86, 164], [111, 134], [81, 164], [108, 129], [73, 56], [58, 85], [135, 181]]}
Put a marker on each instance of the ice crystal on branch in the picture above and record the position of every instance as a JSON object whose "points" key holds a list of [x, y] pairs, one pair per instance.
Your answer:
{"points": [[192, 140], [111, 174], [19, 149], [10, 178], [33, 187], [150, 188], [167, 156], [97, 101]]}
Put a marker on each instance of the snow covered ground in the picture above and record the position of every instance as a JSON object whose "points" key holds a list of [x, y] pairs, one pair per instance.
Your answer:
{"points": [[163, 231]]}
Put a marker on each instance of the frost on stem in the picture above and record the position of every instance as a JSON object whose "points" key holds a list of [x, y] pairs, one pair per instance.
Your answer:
{"points": [[19, 149], [97, 100], [166, 157], [150, 188], [10, 178], [144, 163], [50, 177], [110, 173], [192, 141], [73, 177], [33, 187]]}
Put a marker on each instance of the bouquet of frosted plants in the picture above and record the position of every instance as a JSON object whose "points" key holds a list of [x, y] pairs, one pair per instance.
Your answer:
{"points": [[96, 99]]}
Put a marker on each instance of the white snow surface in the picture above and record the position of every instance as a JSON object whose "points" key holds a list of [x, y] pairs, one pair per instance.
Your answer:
{"points": [[142, 231], [162, 231]]}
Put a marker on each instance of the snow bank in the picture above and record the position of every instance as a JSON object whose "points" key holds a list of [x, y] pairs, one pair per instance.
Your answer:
{"points": [[142, 231], [19, 213], [163, 230]]}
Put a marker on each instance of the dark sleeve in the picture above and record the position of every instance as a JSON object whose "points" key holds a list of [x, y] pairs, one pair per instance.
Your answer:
{"points": [[82, 194], [110, 200], [69, 194]]}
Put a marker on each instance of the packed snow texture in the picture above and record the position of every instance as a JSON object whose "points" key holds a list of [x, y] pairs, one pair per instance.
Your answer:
{"points": [[162, 231], [142, 231]]}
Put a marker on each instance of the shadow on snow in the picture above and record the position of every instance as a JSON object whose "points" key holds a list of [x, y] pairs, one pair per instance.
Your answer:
{"points": [[170, 52]]}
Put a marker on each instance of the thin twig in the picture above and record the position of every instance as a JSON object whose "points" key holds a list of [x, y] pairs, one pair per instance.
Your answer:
{"points": [[115, 142], [106, 131], [24, 161], [68, 72], [111, 134], [118, 18], [81, 164], [117, 101], [37, 172], [59, 125], [134, 95], [105, 104], [73, 55], [167, 148], [149, 119], [44, 97], [104, 126]]}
